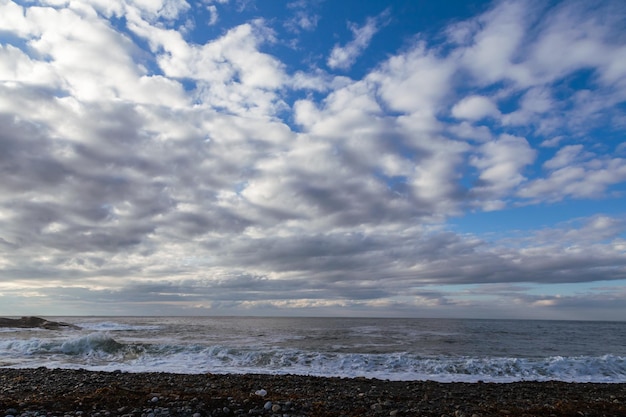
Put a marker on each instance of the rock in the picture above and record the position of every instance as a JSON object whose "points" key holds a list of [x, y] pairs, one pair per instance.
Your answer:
{"points": [[261, 393], [268, 405], [33, 322], [377, 407], [276, 408]]}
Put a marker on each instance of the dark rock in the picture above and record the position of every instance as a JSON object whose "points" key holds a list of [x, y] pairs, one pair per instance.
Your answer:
{"points": [[32, 322]]}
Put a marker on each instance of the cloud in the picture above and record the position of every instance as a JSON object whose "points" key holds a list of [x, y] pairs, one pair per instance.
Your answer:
{"points": [[492, 41], [500, 163], [418, 69], [142, 165], [584, 180], [565, 156], [343, 57], [475, 108], [213, 14], [532, 54], [304, 18]]}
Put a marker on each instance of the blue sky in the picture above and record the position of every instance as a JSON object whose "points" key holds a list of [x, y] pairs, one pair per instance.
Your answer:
{"points": [[313, 158]]}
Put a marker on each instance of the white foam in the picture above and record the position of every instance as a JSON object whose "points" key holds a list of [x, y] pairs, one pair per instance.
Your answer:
{"points": [[218, 359], [111, 326], [199, 346]]}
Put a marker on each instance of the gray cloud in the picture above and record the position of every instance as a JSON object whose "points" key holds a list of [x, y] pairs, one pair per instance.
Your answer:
{"points": [[123, 189]]}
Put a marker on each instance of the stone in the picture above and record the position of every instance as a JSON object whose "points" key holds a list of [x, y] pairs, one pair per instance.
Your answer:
{"points": [[34, 322], [376, 407]]}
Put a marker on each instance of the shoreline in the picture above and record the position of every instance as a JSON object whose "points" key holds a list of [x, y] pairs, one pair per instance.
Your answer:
{"points": [[64, 392]]}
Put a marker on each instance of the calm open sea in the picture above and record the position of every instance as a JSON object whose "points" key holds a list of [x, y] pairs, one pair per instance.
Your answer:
{"points": [[397, 349]]}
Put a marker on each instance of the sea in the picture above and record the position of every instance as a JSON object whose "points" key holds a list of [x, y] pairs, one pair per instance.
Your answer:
{"points": [[444, 350]]}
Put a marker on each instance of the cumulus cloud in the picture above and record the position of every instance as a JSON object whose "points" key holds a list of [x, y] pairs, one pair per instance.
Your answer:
{"points": [[584, 180], [501, 163], [475, 108], [142, 166]]}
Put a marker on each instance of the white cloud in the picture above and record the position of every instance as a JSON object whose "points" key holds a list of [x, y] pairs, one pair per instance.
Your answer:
{"points": [[552, 142], [535, 107], [232, 73], [475, 108], [307, 21], [501, 163], [530, 50], [415, 81], [589, 179], [495, 41], [343, 57], [17, 66], [564, 157], [466, 130], [14, 19], [212, 9], [111, 169], [165, 9], [573, 37]]}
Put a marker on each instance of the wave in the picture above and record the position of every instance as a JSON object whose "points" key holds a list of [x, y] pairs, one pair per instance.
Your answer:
{"points": [[100, 351], [402, 366], [94, 342], [89, 349], [111, 326]]}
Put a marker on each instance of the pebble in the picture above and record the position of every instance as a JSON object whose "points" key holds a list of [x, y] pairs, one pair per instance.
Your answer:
{"points": [[187, 396]]}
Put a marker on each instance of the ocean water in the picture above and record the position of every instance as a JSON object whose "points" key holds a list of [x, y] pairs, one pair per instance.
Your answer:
{"points": [[396, 349]]}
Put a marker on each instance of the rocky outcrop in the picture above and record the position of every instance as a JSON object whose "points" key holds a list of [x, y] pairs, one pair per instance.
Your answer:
{"points": [[32, 322]]}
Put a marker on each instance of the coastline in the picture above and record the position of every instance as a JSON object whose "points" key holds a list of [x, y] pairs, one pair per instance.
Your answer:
{"points": [[63, 392]]}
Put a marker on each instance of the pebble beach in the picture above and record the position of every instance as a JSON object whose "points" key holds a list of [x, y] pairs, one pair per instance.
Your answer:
{"points": [[81, 393]]}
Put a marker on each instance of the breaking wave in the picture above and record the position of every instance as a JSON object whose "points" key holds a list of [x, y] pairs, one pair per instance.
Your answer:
{"points": [[100, 351]]}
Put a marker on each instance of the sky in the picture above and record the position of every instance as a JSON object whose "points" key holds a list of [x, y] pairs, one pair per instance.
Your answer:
{"points": [[313, 158]]}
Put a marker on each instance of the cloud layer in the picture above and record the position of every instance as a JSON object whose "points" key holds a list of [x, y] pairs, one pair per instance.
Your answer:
{"points": [[145, 170]]}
